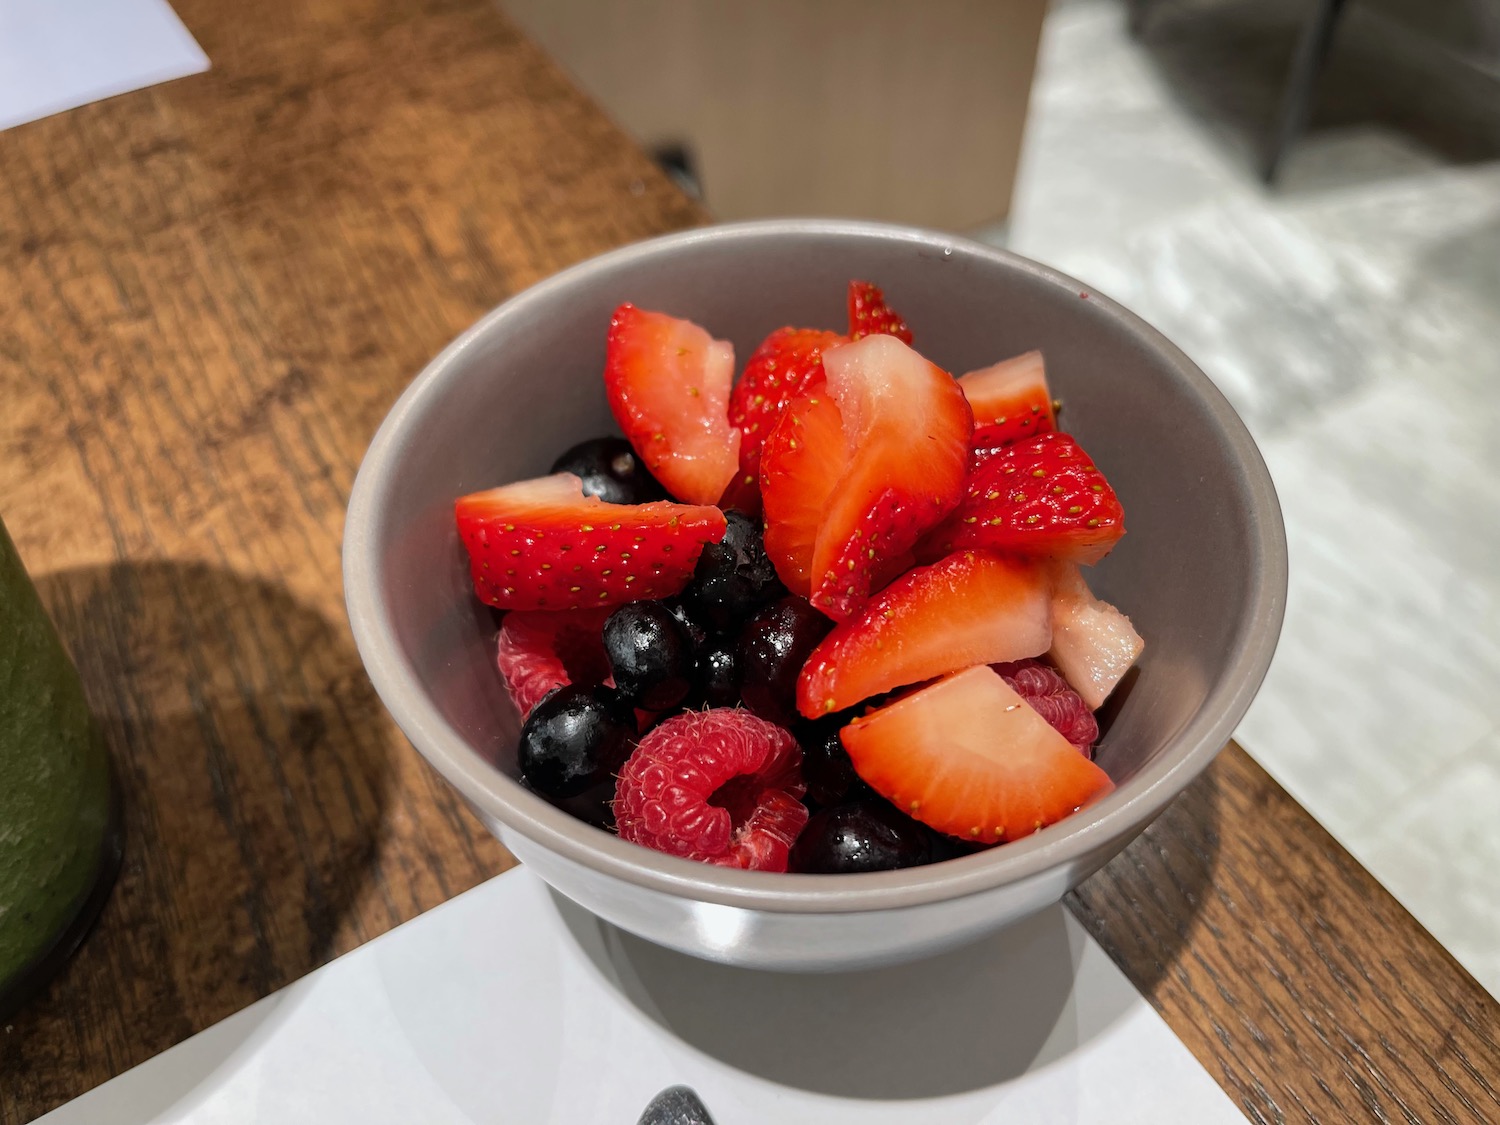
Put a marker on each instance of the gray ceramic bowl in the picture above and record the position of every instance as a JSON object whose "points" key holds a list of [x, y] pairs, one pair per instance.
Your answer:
{"points": [[1202, 571]]}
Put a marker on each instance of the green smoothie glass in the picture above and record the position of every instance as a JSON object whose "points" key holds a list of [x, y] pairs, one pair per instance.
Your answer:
{"points": [[59, 834]]}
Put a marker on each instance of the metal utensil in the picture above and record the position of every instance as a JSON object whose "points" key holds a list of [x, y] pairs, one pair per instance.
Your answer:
{"points": [[676, 1105]]}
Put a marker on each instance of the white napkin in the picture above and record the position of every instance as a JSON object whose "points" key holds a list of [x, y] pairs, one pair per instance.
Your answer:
{"points": [[511, 1005], [58, 54]]}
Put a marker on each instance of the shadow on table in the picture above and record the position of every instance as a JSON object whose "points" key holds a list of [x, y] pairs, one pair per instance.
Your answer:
{"points": [[1388, 101], [1142, 905], [1465, 265], [972, 1018], [254, 773]]}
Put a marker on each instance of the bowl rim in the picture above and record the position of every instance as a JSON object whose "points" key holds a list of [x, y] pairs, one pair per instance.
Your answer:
{"points": [[1072, 840]]}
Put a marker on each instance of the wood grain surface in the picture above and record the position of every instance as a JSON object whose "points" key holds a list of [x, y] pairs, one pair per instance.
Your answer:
{"points": [[1299, 983], [210, 293]]}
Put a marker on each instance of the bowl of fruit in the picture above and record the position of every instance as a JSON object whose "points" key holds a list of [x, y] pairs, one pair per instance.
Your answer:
{"points": [[790, 620]]}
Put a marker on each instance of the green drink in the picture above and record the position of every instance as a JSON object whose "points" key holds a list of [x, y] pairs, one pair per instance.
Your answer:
{"points": [[59, 842]]}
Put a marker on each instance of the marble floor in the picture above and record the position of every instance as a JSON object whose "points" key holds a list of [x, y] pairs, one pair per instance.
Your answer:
{"points": [[1353, 317]]}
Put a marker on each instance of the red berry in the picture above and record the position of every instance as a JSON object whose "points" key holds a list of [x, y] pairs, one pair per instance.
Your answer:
{"points": [[668, 384], [1043, 687], [971, 608], [542, 544], [907, 427], [966, 755], [1010, 400], [1040, 496], [788, 363], [869, 315], [539, 651], [1093, 643], [803, 460], [718, 786]]}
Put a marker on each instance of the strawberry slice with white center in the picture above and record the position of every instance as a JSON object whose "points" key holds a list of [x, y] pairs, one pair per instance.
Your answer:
{"points": [[668, 385], [1093, 643], [1041, 496], [969, 757], [971, 608], [788, 363], [1010, 400], [802, 462], [543, 544], [908, 427]]}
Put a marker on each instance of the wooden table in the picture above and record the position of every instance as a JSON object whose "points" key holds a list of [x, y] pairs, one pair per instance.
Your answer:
{"points": [[210, 292]]}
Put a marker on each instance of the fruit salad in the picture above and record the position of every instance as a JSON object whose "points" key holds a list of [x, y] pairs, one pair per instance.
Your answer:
{"points": [[827, 618]]}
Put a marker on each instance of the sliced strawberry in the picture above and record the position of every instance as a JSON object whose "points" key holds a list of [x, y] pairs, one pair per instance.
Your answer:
{"points": [[802, 461], [788, 363], [888, 570], [908, 427], [540, 651], [542, 544], [1041, 496], [1093, 643], [668, 384], [1010, 400], [971, 608], [969, 757], [869, 315]]}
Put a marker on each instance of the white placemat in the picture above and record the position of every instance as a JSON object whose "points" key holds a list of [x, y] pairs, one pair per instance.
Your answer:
{"points": [[510, 1005], [58, 54]]}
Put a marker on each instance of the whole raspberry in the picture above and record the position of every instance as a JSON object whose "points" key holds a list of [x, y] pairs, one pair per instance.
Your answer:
{"points": [[539, 651], [1049, 695], [719, 786]]}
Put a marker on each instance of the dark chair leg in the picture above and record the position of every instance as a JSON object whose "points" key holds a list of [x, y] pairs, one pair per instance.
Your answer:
{"points": [[1296, 98], [1135, 16]]}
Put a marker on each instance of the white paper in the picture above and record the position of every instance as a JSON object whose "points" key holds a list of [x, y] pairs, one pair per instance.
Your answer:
{"points": [[510, 1005], [58, 54]]}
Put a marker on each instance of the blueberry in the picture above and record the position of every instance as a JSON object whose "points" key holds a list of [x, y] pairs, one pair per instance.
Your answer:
{"points": [[573, 741], [830, 775], [696, 633], [951, 847], [734, 576], [595, 806], [774, 645], [611, 471], [718, 675], [868, 835], [650, 654]]}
